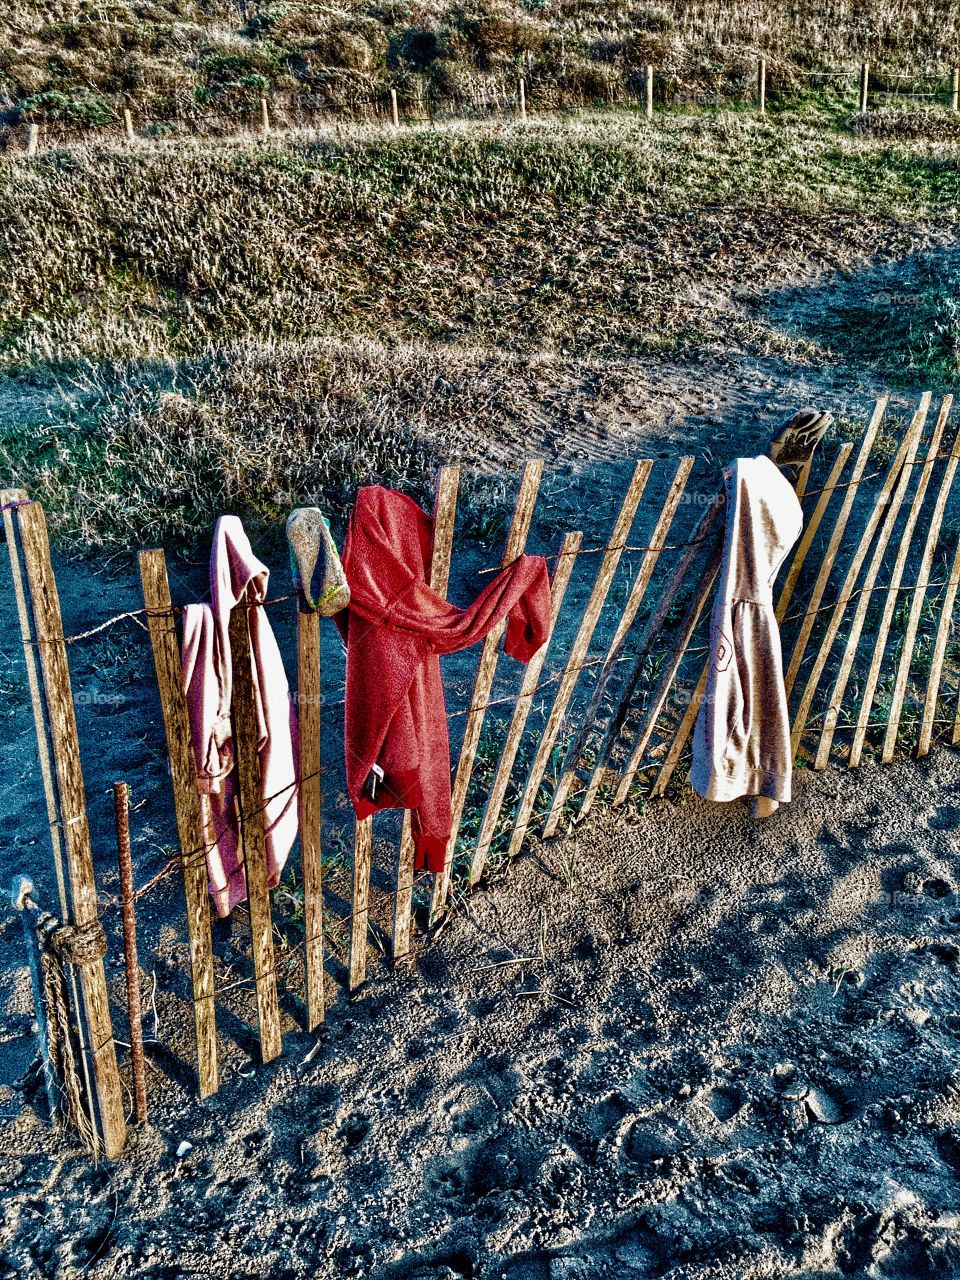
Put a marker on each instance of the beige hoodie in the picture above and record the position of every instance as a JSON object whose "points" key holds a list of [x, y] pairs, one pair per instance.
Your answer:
{"points": [[741, 742]]}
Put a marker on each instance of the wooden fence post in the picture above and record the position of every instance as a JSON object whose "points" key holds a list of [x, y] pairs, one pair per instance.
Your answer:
{"points": [[310, 804], [762, 86], [186, 799], [33, 140], [121, 808], [523, 100], [939, 653], [128, 124], [394, 109], [73, 817], [864, 86], [649, 91], [486, 669], [444, 519], [360, 914], [954, 88], [252, 835], [264, 118]]}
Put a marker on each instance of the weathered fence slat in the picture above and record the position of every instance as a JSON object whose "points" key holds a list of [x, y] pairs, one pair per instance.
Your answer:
{"points": [[186, 800], [916, 602], [310, 802], [444, 521], [662, 690], [486, 668], [892, 594], [73, 816], [810, 531], [685, 728], [936, 662], [253, 840], [581, 644], [830, 555], [362, 859], [558, 588], [907, 448], [609, 667]]}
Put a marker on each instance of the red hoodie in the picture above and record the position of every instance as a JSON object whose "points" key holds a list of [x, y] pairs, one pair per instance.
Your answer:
{"points": [[395, 627]]}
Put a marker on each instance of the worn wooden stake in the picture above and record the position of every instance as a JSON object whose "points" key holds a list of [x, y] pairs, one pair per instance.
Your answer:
{"points": [[936, 662], [612, 659], [444, 521], [954, 88], [309, 799], [864, 85], [892, 595], [252, 834], [73, 816], [264, 118], [762, 86], [186, 799], [581, 644], [486, 669], [916, 607], [33, 140], [830, 555], [846, 594], [523, 100], [362, 859], [128, 124], [810, 531], [558, 588], [394, 109], [121, 808], [649, 91]]}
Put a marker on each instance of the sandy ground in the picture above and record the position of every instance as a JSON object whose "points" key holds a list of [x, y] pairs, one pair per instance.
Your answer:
{"points": [[677, 1044]]}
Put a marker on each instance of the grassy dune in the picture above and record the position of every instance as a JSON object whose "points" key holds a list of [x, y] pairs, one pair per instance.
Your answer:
{"points": [[248, 325]]}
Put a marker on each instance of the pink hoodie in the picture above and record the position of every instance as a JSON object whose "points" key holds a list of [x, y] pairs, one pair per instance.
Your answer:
{"points": [[235, 574]]}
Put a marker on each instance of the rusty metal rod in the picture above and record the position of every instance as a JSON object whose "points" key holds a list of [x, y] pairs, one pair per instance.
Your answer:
{"points": [[122, 811]]}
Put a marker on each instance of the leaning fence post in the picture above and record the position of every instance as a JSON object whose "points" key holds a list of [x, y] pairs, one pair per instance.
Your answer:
{"points": [[762, 86], [649, 91], [186, 799], [394, 109], [21, 899], [33, 140], [252, 833], [121, 808], [864, 85], [128, 124], [264, 118], [73, 816], [954, 88], [310, 800]]}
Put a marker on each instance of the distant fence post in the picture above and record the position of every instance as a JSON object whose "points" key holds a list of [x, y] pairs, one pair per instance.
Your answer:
{"points": [[649, 91], [128, 124], [864, 85], [523, 100], [121, 808], [33, 140], [264, 118], [762, 86], [394, 109], [954, 88]]}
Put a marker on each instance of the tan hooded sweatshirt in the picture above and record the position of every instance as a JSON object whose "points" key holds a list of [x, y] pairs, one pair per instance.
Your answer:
{"points": [[741, 742]]}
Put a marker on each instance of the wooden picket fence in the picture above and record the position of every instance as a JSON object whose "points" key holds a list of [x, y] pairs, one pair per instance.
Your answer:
{"points": [[845, 589]]}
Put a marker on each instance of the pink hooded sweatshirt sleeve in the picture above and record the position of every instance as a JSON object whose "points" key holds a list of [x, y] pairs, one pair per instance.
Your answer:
{"points": [[235, 574]]}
